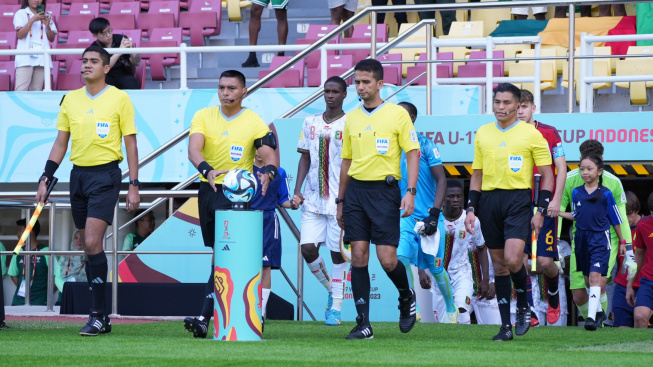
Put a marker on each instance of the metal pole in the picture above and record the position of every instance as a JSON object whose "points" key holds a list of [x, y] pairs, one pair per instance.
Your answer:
{"points": [[325, 66], [589, 71], [183, 78], [373, 32], [114, 278], [300, 283], [429, 70], [582, 107], [489, 69], [572, 42], [50, 304], [171, 207], [27, 260], [537, 83]]}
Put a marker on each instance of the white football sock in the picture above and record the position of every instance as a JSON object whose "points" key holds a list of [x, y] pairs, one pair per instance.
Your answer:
{"points": [[594, 303], [319, 270], [338, 282], [265, 295]]}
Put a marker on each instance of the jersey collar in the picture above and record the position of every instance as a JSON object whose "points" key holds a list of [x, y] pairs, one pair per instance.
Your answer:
{"points": [[97, 95], [508, 128], [232, 117], [374, 110]]}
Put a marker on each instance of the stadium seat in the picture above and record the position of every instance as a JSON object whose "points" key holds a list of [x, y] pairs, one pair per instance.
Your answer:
{"points": [[558, 51], [314, 33], [459, 53], [391, 72], [234, 8], [67, 4], [69, 23], [110, 4], [635, 66], [465, 30], [85, 8], [490, 18], [7, 75], [477, 70], [165, 7], [410, 53], [510, 52], [54, 9], [336, 66], [444, 70], [293, 77], [127, 7], [166, 37], [362, 34], [7, 17], [133, 34], [139, 74], [600, 67], [202, 20], [497, 54], [636, 50], [548, 71], [70, 81], [121, 21], [149, 21], [68, 60], [7, 42]]}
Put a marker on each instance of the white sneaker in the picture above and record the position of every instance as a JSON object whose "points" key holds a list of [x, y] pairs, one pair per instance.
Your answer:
{"points": [[450, 318]]}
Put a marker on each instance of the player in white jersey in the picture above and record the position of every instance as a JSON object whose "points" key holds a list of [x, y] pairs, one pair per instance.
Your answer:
{"points": [[459, 247], [320, 145], [485, 309]]}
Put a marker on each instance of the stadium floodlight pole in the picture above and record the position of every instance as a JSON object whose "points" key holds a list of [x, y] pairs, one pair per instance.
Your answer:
{"points": [[572, 42], [50, 302]]}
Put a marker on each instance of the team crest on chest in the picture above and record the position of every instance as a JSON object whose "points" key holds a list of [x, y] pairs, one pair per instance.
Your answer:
{"points": [[236, 152], [102, 129], [338, 135], [462, 234]]}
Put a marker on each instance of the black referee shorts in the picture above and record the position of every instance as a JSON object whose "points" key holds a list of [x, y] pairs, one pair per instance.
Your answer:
{"points": [[371, 212], [94, 192], [505, 214], [208, 202]]}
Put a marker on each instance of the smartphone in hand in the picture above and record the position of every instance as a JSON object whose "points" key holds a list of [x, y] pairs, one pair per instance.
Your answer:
{"points": [[40, 8]]}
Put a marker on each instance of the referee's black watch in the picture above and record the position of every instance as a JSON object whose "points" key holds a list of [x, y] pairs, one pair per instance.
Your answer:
{"points": [[44, 179], [470, 210], [541, 211], [412, 190], [135, 182]]}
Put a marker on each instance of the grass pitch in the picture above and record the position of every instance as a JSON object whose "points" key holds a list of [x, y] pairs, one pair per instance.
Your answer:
{"points": [[311, 343]]}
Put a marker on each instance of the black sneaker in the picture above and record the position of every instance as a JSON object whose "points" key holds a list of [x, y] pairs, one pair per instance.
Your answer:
{"points": [[197, 327], [600, 318], [407, 312], [363, 330], [107, 325], [523, 322], [590, 324], [251, 62], [504, 334], [3, 325], [94, 325]]}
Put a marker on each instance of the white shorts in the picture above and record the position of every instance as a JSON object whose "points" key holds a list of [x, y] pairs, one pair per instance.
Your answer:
{"points": [[350, 5], [524, 11], [320, 229], [486, 311], [462, 287]]}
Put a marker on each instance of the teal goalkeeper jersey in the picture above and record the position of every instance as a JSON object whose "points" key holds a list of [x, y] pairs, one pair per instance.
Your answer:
{"points": [[610, 181]]}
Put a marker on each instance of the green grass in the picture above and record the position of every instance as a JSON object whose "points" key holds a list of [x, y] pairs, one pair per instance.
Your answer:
{"points": [[311, 343]]}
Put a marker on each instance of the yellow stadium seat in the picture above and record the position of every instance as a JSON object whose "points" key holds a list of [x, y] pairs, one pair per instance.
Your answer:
{"points": [[490, 18], [636, 66], [509, 52], [466, 30], [233, 8], [559, 51], [547, 75], [410, 53], [601, 67]]}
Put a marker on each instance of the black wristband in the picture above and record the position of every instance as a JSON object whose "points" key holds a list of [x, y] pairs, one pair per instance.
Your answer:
{"points": [[544, 199], [271, 169], [474, 196], [50, 168], [204, 168]]}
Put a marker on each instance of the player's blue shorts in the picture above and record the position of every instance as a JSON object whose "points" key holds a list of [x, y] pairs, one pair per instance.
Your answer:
{"points": [[409, 240], [271, 240], [592, 251], [435, 264], [547, 241], [623, 313], [645, 293]]}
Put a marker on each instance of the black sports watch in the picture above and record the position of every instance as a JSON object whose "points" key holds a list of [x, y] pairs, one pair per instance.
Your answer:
{"points": [[541, 210], [412, 190], [135, 182], [339, 200], [470, 209], [44, 179]]}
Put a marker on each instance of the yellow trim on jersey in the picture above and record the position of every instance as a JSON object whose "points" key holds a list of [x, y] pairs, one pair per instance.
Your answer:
{"points": [[96, 125], [507, 156], [228, 142], [374, 141]]}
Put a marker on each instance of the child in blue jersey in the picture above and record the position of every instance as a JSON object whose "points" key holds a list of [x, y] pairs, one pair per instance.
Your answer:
{"points": [[277, 194], [594, 210], [431, 189]]}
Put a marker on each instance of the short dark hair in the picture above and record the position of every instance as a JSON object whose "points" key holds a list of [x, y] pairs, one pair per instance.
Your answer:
{"points": [[234, 74], [139, 211], [372, 66], [98, 25], [104, 55], [338, 80], [36, 229], [632, 203], [510, 88], [453, 184], [526, 96], [412, 110], [591, 146]]}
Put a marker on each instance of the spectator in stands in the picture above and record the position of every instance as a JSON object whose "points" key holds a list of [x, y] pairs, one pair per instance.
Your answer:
{"points": [[34, 30], [281, 12], [399, 17], [123, 66], [561, 11], [144, 228], [38, 267], [448, 16], [341, 11], [619, 10], [539, 12]]}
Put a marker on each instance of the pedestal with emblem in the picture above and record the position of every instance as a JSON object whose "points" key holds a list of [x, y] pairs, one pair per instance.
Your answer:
{"points": [[237, 274]]}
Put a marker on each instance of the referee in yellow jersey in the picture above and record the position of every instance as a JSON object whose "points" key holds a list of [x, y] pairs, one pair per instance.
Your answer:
{"points": [[369, 200], [223, 138], [505, 153], [96, 117]]}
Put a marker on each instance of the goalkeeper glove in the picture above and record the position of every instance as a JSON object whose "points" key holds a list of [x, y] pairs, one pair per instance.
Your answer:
{"points": [[431, 222]]}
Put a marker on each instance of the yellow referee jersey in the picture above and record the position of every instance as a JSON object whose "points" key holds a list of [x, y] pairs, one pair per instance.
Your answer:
{"points": [[96, 125], [507, 156], [374, 141], [228, 141]]}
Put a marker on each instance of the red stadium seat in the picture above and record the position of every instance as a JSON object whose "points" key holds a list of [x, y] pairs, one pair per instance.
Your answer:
{"points": [[121, 21], [9, 2], [7, 42], [147, 22], [482, 55], [72, 81], [336, 66], [126, 7], [198, 25], [7, 72], [442, 70], [314, 33], [391, 72], [139, 74], [110, 4], [54, 9], [165, 7], [68, 60], [170, 37], [66, 4], [69, 23], [362, 34], [8, 10], [85, 8], [133, 34], [477, 70], [293, 77]]}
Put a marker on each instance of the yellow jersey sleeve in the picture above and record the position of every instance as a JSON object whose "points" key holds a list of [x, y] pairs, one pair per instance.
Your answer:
{"points": [[346, 141], [406, 135], [478, 154], [197, 123], [127, 116], [63, 124], [261, 128], [541, 152]]}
